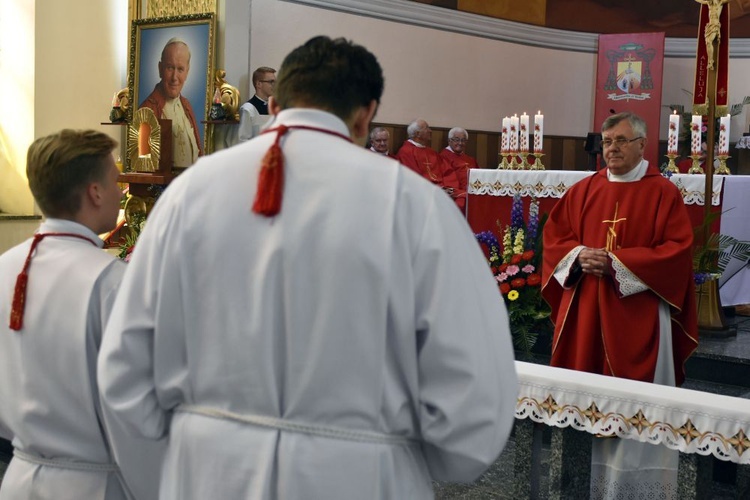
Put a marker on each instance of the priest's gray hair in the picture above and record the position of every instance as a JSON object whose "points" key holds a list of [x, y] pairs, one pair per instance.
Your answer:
{"points": [[455, 130], [414, 128], [635, 121], [172, 41]]}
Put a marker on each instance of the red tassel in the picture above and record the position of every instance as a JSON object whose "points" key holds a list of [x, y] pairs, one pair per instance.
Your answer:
{"points": [[19, 294], [19, 301], [268, 197]]}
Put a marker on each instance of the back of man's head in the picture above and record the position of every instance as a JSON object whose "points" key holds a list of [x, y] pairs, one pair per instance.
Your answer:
{"points": [[334, 75], [61, 165]]}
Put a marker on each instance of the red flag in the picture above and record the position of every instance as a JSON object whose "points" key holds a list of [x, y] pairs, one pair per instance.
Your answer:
{"points": [[629, 78]]}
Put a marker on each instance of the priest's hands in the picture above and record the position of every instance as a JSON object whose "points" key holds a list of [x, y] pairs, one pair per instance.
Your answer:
{"points": [[594, 261]]}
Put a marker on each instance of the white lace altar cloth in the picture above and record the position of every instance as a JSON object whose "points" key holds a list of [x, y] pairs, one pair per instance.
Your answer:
{"points": [[554, 183], [681, 419]]}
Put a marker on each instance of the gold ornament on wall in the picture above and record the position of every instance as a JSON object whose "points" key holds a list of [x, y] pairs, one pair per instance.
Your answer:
{"points": [[166, 8], [144, 141], [229, 95]]}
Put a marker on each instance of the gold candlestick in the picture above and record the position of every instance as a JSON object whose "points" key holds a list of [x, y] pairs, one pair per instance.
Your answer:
{"points": [[538, 165], [723, 169], [524, 161], [671, 167], [696, 167], [514, 165], [504, 165]]}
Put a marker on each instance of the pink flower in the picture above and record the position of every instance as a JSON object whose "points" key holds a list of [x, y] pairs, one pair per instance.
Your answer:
{"points": [[501, 277], [528, 269], [512, 270]]}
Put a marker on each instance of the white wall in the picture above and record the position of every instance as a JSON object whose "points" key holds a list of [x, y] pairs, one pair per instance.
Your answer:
{"points": [[451, 78], [61, 64], [16, 103]]}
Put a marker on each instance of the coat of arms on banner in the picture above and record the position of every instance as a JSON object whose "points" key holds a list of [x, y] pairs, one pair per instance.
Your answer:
{"points": [[629, 73]]}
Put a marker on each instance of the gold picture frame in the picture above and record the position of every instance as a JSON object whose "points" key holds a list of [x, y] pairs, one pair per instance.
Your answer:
{"points": [[148, 38]]}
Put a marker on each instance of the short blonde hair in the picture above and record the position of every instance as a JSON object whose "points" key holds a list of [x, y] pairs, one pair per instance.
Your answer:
{"points": [[60, 167]]}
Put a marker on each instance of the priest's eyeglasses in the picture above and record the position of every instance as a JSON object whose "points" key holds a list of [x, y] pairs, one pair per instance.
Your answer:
{"points": [[619, 142], [455, 139]]}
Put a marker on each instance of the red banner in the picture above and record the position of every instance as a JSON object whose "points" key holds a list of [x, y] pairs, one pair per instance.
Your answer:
{"points": [[700, 87], [629, 78]]}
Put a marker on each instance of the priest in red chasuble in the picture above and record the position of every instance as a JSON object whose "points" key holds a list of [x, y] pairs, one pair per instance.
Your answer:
{"points": [[455, 154], [417, 155], [618, 267], [617, 273]]}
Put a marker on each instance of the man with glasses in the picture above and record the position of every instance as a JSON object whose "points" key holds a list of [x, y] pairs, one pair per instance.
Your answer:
{"points": [[264, 80], [455, 154], [617, 273], [417, 155]]}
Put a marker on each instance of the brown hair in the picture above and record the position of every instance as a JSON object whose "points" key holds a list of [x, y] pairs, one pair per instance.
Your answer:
{"points": [[334, 75], [60, 167], [260, 72]]}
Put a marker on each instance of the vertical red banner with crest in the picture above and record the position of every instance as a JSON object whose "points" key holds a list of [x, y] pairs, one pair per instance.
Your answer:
{"points": [[629, 78]]}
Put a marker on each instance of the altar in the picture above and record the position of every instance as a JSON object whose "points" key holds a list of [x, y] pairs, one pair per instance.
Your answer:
{"points": [[490, 195]]}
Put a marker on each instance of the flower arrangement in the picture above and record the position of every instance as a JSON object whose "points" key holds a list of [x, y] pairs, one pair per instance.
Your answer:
{"points": [[516, 267]]}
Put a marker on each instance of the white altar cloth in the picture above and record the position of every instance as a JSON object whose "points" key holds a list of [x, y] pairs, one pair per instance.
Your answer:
{"points": [[681, 419]]}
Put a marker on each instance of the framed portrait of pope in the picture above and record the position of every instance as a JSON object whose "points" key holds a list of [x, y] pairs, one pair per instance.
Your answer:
{"points": [[171, 63]]}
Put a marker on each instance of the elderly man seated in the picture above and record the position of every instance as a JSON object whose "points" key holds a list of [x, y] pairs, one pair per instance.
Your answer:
{"points": [[417, 155], [455, 154]]}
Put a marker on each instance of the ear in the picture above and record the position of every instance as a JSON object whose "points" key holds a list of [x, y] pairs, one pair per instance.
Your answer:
{"points": [[94, 194], [273, 107], [359, 126]]}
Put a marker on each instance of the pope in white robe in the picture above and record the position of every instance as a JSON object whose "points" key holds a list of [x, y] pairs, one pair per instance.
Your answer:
{"points": [[353, 346]]}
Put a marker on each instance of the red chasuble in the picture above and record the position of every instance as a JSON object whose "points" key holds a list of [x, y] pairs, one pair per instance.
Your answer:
{"points": [[428, 163], [597, 329], [461, 165]]}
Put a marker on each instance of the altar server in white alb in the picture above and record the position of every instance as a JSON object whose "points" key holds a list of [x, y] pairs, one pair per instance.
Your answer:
{"points": [[56, 290], [306, 319]]}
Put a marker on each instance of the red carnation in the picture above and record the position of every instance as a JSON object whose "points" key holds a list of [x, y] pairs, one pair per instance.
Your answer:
{"points": [[504, 288], [518, 283], [534, 279], [503, 267], [528, 255], [516, 259]]}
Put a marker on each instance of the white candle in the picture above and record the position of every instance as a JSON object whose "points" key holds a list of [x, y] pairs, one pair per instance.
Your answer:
{"points": [[505, 142], [538, 132], [695, 135], [524, 133], [514, 133], [724, 135], [674, 132]]}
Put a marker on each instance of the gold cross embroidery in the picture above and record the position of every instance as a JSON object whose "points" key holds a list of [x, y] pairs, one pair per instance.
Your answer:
{"points": [[427, 166], [611, 233]]}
